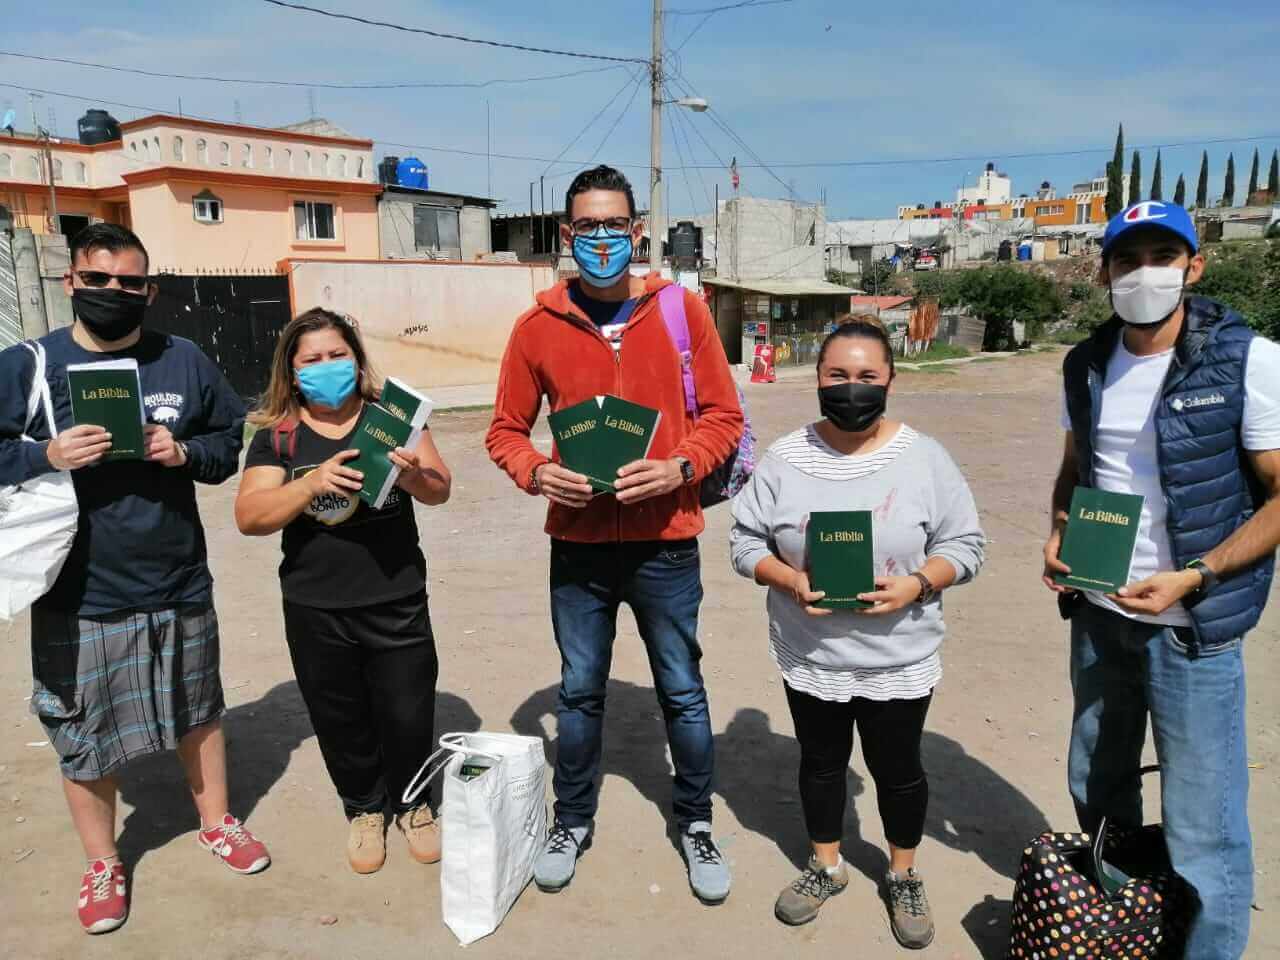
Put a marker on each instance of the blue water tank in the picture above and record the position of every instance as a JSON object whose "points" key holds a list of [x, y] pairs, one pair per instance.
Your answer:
{"points": [[1024, 251], [412, 172]]}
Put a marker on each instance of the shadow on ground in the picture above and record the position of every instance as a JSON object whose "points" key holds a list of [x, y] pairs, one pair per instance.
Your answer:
{"points": [[261, 738]]}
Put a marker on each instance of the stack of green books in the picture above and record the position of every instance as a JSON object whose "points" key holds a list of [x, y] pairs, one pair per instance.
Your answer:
{"points": [[841, 557], [396, 420], [1102, 530], [108, 394], [599, 436]]}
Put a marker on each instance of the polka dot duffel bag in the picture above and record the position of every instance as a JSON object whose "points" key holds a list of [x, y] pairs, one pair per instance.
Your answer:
{"points": [[1079, 898]]}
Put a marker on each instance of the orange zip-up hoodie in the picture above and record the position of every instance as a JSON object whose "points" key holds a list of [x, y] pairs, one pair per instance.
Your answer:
{"points": [[556, 351]]}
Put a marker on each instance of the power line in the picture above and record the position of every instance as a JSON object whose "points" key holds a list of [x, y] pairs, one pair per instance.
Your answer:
{"points": [[450, 36], [727, 6], [688, 182], [680, 121], [632, 80], [376, 85]]}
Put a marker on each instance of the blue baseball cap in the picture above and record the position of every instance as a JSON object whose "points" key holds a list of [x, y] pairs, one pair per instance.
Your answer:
{"points": [[1151, 213]]}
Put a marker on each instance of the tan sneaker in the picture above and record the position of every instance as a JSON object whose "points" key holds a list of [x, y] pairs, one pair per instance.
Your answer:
{"points": [[422, 831], [367, 843], [801, 900]]}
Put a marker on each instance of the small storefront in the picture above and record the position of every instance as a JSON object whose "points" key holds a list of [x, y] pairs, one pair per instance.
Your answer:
{"points": [[792, 315]]}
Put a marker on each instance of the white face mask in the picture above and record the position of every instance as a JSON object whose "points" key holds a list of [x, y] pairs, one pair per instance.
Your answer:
{"points": [[1148, 295]]}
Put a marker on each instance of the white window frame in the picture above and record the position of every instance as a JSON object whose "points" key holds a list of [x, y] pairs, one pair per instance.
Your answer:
{"points": [[206, 208], [306, 217]]}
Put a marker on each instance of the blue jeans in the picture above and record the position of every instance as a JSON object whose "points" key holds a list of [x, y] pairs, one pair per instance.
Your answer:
{"points": [[662, 583], [1121, 673]]}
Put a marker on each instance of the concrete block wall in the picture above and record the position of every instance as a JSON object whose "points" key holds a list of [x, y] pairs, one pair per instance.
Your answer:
{"points": [[762, 239]]}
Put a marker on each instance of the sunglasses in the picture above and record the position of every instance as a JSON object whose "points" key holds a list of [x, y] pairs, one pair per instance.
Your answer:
{"points": [[586, 227], [128, 281]]}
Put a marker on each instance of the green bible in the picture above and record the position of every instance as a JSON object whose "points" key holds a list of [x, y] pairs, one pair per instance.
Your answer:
{"points": [[377, 434], [401, 400], [841, 557], [108, 394], [1098, 543], [599, 436]]}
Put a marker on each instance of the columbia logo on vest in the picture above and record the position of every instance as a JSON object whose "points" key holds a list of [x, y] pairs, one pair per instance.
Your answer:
{"points": [[1193, 403]]}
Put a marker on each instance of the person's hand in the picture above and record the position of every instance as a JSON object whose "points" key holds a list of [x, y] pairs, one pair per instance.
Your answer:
{"points": [[408, 462], [1154, 595], [1053, 565], [644, 479], [333, 477], [160, 446], [805, 597], [891, 594], [77, 447], [562, 486]]}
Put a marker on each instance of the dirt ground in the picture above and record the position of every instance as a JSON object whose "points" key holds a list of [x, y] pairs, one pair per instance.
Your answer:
{"points": [[994, 748]]}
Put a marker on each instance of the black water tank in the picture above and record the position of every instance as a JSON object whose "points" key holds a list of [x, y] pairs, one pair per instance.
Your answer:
{"points": [[387, 170], [98, 126], [686, 240]]}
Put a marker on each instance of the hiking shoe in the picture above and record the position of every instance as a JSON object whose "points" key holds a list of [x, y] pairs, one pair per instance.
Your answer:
{"points": [[801, 900], [422, 831], [104, 897], [909, 914], [367, 843], [708, 870], [235, 846], [554, 867]]}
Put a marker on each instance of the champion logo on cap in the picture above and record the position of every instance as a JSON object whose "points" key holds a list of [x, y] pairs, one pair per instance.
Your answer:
{"points": [[1150, 210]]}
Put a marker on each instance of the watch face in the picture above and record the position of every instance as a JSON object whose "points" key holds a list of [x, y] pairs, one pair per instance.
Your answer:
{"points": [[686, 471]]}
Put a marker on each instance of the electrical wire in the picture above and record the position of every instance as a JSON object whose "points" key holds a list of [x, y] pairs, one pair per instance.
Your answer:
{"points": [[688, 182], [450, 36], [633, 80], [374, 85], [686, 165], [729, 6]]}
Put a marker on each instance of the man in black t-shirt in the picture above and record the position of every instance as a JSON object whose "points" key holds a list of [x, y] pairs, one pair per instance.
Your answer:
{"points": [[125, 646]]}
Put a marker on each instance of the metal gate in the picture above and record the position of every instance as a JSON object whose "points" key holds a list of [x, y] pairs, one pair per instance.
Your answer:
{"points": [[10, 315], [236, 321]]}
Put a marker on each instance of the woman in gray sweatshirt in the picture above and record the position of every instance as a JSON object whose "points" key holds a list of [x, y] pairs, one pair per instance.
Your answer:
{"points": [[873, 668]]}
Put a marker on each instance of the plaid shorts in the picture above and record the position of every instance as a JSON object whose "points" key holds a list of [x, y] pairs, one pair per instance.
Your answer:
{"points": [[114, 687]]}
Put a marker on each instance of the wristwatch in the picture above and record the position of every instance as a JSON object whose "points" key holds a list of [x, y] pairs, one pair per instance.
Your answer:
{"points": [[186, 453], [927, 590], [1208, 579], [686, 469]]}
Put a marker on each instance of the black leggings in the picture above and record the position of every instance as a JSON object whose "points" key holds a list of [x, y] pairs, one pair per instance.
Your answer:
{"points": [[368, 676], [890, 732]]}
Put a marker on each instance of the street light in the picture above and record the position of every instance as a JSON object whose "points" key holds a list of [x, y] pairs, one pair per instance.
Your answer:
{"points": [[657, 218]]}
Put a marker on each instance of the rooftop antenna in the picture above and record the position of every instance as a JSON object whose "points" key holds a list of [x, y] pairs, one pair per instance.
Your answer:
{"points": [[53, 122], [239, 118], [311, 102]]}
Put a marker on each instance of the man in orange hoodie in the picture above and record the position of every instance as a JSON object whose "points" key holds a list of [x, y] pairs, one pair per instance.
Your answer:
{"points": [[604, 334]]}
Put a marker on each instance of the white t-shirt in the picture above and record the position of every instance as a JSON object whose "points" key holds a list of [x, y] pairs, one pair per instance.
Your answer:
{"points": [[1124, 457]]}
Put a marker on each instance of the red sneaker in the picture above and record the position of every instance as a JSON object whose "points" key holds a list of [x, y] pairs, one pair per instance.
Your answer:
{"points": [[235, 846], [104, 897]]}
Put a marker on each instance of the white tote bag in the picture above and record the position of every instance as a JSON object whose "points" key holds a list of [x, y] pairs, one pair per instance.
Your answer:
{"points": [[492, 825], [38, 517]]}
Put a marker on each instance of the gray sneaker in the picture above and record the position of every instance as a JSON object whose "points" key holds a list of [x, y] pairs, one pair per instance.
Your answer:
{"points": [[554, 867], [909, 914], [803, 898], [708, 871]]}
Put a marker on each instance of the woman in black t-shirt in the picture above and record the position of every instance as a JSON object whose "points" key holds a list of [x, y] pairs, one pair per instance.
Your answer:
{"points": [[353, 579]]}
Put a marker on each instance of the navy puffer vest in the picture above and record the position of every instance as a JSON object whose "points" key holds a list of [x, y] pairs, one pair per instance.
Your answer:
{"points": [[1209, 487]]}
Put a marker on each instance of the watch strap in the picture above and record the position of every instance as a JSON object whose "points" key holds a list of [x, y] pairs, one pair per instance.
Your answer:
{"points": [[927, 590]]}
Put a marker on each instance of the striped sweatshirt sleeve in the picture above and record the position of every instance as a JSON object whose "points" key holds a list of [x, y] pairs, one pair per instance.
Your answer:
{"points": [[954, 533], [750, 540]]}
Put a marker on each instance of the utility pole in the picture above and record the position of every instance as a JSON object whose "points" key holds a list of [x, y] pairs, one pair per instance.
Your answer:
{"points": [[54, 226], [657, 224], [488, 146]]}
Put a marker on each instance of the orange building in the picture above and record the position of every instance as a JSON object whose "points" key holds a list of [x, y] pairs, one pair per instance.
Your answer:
{"points": [[204, 195], [1062, 211]]}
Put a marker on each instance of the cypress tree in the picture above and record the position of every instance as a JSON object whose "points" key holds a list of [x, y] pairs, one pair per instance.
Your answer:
{"points": [[1115, 178], [1135, 180], [1180, 191], [1202, 188], [1253, 177], [1273, 181], [1229, 182], [1157, 180]]}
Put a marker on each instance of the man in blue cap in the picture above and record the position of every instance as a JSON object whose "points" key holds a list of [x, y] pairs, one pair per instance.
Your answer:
{"points": [[1177, 400]]}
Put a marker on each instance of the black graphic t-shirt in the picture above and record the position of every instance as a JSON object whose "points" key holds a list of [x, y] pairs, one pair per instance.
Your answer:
{"points": [[340, 552]]}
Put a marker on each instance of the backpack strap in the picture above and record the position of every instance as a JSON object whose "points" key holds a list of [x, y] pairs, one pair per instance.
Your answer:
{"points": [[671, 304], [284, 437]]}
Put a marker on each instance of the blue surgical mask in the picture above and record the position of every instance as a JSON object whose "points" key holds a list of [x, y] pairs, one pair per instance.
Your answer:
{"points": [[602, 257], [327, 384]]}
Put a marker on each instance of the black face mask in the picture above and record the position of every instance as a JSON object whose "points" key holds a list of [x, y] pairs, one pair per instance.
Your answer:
{"points": [[853, 407], [108, 314]]}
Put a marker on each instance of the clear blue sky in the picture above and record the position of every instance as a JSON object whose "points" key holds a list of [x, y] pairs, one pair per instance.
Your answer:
{"points": [[811, 80]]}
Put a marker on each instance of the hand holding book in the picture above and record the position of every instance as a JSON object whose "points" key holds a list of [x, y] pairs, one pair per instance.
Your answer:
{"points": [[891, 594], [333, 476], [76, 447], [160, 447]]}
